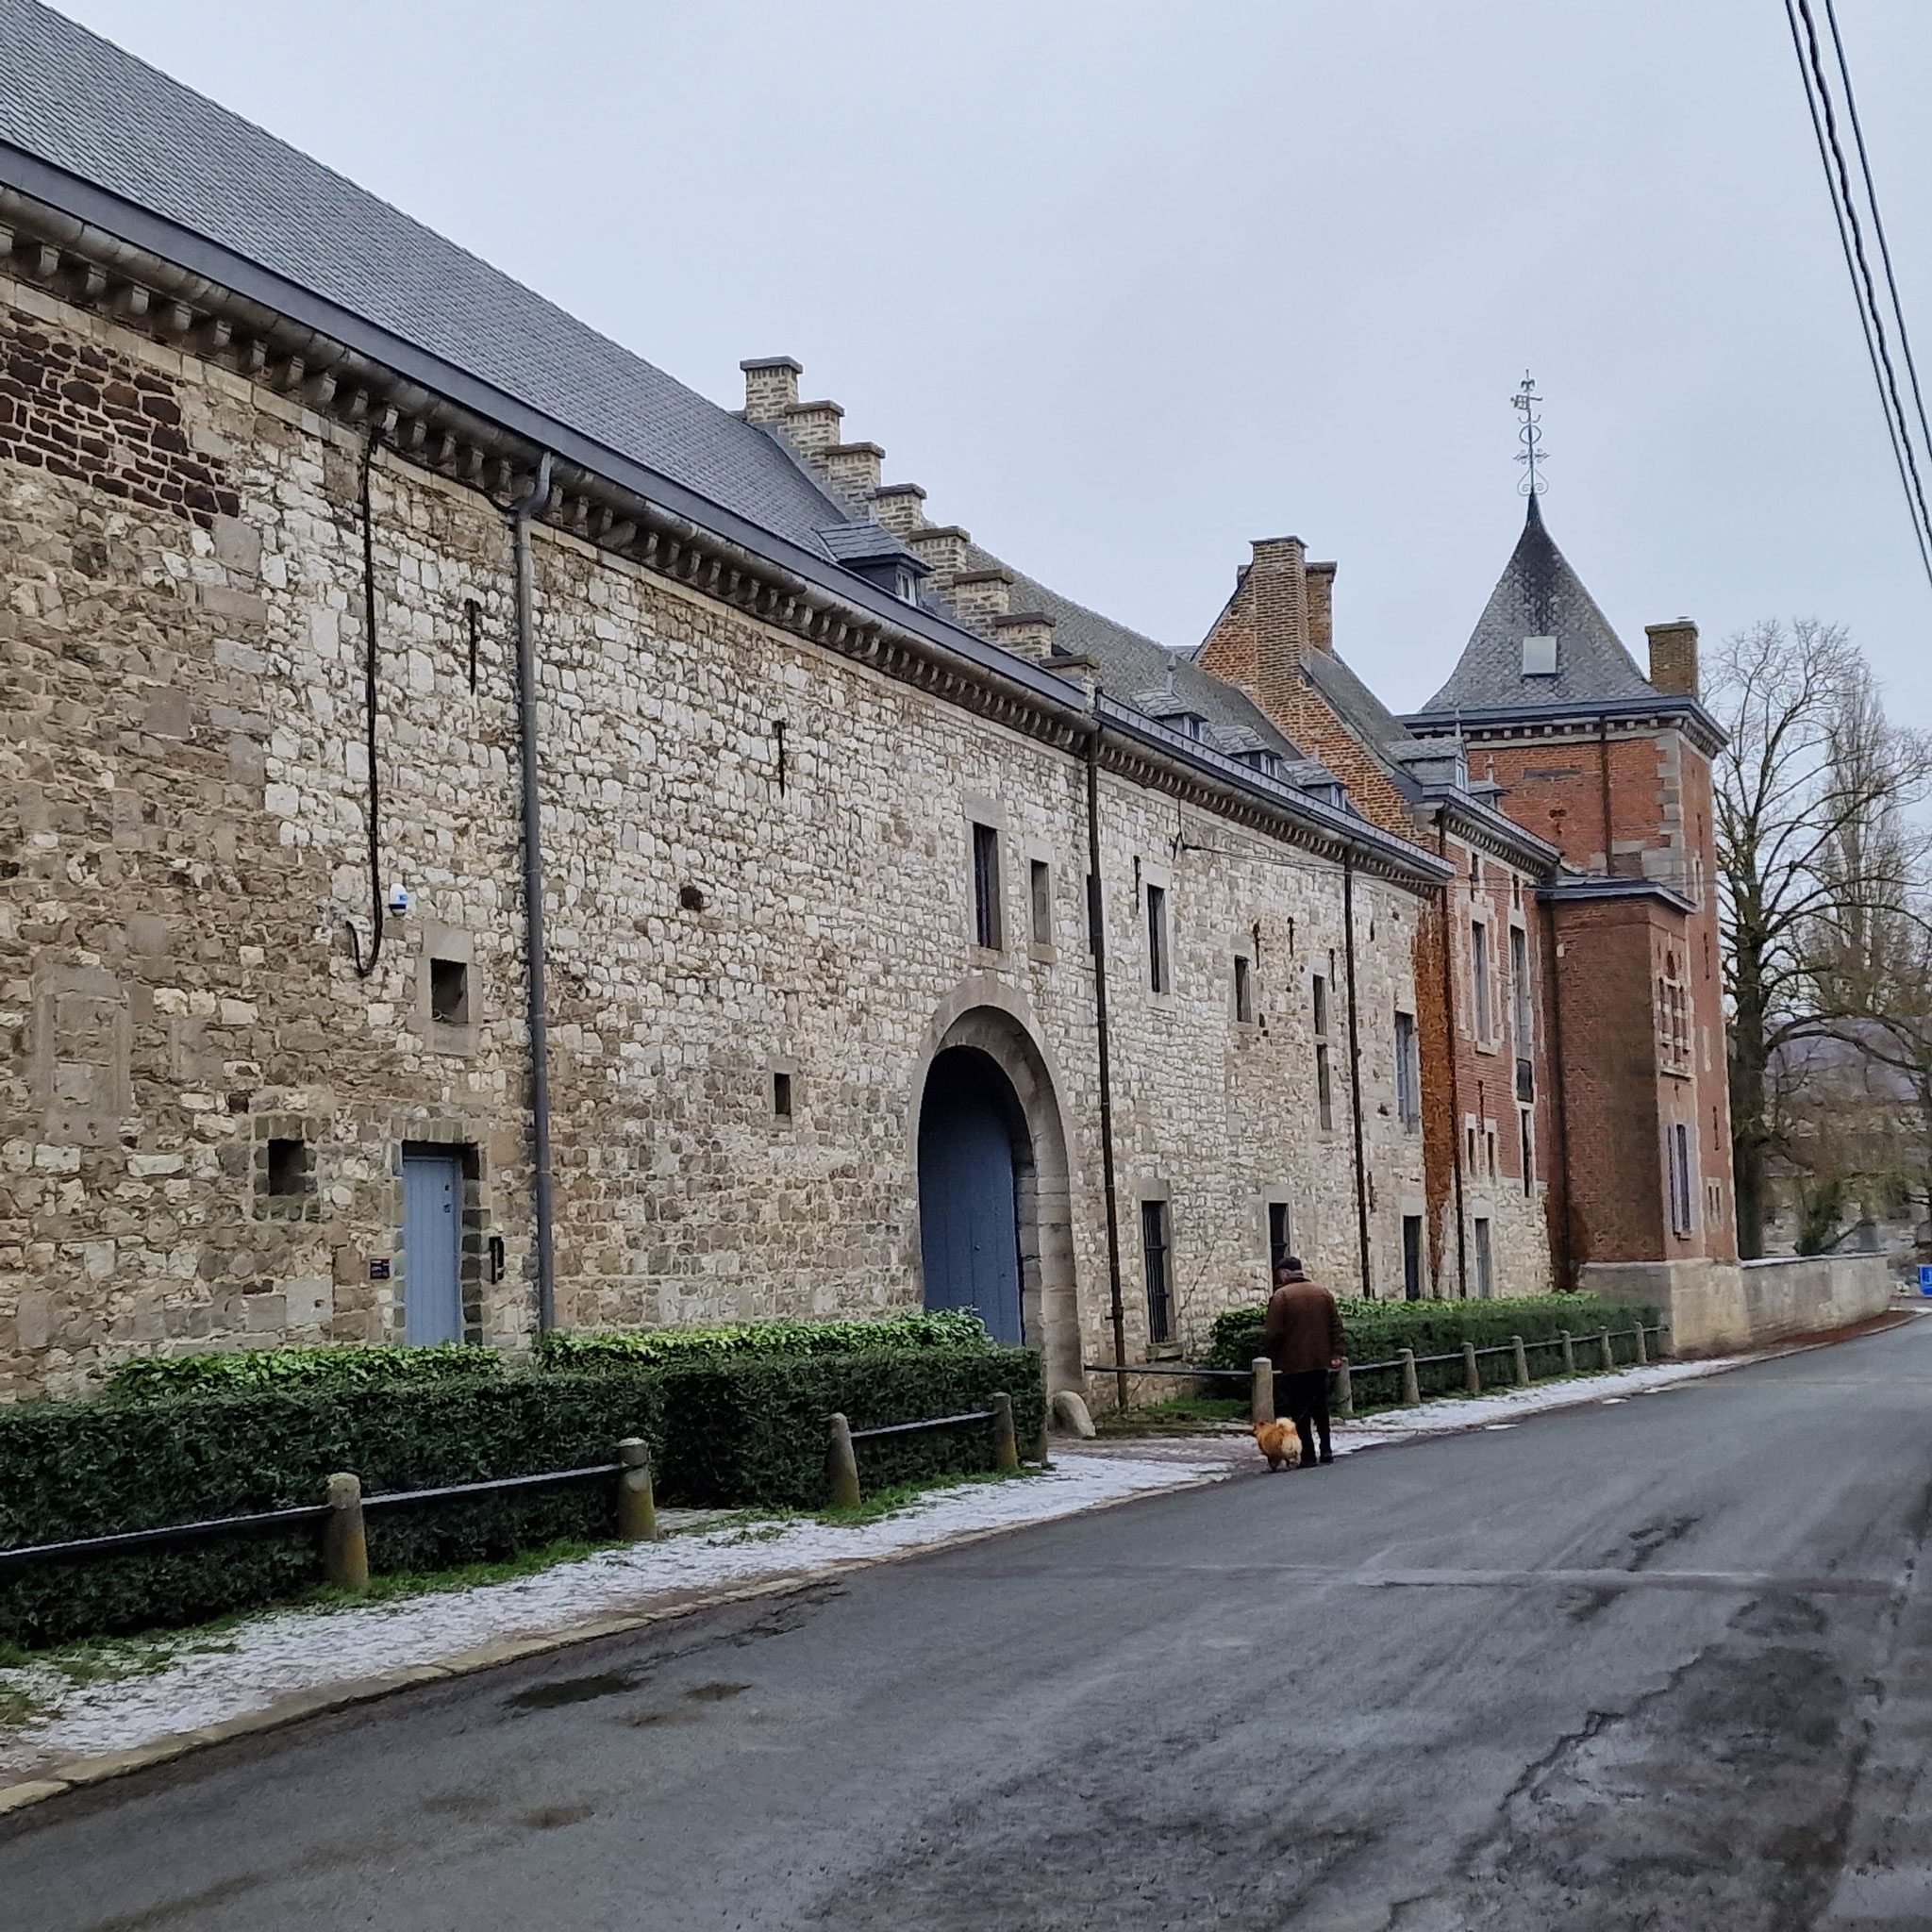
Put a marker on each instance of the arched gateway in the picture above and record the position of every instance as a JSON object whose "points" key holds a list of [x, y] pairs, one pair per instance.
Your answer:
{"points": [[995, 1230]]}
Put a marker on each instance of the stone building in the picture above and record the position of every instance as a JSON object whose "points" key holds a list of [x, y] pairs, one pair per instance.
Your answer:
{"points": [[492, 839]]}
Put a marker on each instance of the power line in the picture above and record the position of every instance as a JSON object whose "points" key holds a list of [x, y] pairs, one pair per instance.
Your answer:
{"points": [[1845, 211]]}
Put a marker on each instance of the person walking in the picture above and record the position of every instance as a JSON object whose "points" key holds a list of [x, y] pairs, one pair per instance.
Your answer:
{"points": [[1302, 1337]]}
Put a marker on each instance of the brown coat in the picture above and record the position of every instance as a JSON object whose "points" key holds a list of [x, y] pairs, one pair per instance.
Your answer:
{"points": [[1303, 1329]]}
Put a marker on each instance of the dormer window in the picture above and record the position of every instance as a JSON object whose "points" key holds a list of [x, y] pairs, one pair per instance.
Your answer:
{"points": [[1263, 762], [1539, 657], [1189, 724]]}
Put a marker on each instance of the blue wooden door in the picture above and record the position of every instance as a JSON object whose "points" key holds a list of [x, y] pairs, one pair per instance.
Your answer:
{"points": [[968, 1215], [432, 1244]]}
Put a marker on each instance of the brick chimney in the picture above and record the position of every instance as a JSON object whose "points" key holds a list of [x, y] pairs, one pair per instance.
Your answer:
{"points": [[1320, 604], [811, 428], [1673, 657], [942, 547], [900, 507], [1274, 597], [1026, 633], [853, 471], [980, 596], [771, 386]]}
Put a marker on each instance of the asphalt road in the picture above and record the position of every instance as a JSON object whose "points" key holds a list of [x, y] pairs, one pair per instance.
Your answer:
{"points": [[1653, 1664]]}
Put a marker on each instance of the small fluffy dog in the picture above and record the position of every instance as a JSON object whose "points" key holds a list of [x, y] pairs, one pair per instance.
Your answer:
{"points": [[1279, 1444]]}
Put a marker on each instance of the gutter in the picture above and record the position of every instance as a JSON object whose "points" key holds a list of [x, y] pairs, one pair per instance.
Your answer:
{"points": [[1354, 1072], [132, 254], [1096, 941]]}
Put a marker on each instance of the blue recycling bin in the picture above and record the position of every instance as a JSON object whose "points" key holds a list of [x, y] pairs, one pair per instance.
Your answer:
{"points": [[1924, 1277]]}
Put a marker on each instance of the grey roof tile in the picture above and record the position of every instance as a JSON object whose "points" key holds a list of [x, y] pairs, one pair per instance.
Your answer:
{"points": [[86, 107], [1539, 596]]}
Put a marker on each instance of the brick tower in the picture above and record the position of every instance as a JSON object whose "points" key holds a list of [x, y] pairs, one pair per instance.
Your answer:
{"points": [[1614, 768]]}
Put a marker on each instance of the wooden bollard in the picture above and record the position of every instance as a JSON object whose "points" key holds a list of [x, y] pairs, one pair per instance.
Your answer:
{"points": [[1344, 1392], [841, 1466], [1472, 1371], [636, 1506], [1522, 1361], [1643, 1353], [344, 1546], [1411, 1391], [1604, 1342], [1261, 1390], [1006, 1447], [1569, 1352]]}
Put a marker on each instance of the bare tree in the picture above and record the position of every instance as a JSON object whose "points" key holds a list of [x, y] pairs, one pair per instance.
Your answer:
{"points": [[1815, 870]]}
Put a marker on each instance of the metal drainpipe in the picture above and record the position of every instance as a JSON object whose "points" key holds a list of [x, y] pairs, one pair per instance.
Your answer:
{"points": [[1096, 939], [1355, 1065], [1449, 1027], [1603, 765], [1566, 1259], [520, 515]]}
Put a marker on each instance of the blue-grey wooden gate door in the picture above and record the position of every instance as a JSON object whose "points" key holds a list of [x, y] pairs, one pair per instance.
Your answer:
{"points": [[432, 1237], [968, 1216]]}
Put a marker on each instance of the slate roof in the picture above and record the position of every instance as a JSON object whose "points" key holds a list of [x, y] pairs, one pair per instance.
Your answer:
{"points": [[1539, 596], [1358, 706], [79, 102], [1132, 665]]}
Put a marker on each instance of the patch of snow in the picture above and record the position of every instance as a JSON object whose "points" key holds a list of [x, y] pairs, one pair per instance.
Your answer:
{"points": [[266, 1657]]}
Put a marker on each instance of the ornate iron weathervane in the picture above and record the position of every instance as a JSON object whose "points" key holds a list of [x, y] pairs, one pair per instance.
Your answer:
{"points": [[1526, 402]]}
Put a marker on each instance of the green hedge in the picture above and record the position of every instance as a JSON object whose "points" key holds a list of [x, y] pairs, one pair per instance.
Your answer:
{"points": [[1375, 1330], [743, 1430], [234, 1370], [78, 1469], [754, 1430], [667, 1347]]}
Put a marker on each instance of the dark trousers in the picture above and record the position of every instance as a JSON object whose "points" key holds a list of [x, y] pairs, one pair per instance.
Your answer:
{"points": [[1305, 1401]]}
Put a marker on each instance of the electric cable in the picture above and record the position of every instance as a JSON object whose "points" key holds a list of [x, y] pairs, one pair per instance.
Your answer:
{"points": [[1818, 98]]}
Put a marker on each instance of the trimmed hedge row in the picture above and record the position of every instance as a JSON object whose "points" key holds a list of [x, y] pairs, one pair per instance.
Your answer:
{"points": [[1376, 1330], [234, 1370], [754, 1431], [915, 1328], [83, 1469], [741, 1431]]}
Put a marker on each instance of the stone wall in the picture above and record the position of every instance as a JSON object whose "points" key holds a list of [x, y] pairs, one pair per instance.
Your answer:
{"points": [[1717, 1305], [186, 859]]}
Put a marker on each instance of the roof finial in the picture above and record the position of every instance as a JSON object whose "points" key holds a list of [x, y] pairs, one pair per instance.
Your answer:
{"points": [[1525, 401]]}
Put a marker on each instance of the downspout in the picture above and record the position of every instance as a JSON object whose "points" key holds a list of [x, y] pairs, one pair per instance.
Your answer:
{"points": [[1354, 1066], [1603, 766], [520, 515], [1096, 938], [1449, 1029], [1566, 1259], [371, 667]]}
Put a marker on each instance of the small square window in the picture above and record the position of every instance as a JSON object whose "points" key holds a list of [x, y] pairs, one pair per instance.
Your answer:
{"points": [[449, 993], [781, 1095], [288, 1167], [1040, 901], [1243, 992], [1539, 657]]}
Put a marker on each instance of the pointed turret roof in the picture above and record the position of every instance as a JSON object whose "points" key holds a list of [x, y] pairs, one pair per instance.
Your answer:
{"points": [[1540, 596]]}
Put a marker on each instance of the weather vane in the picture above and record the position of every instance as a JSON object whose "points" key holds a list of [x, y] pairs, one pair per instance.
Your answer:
{"points": [[1531, 436]]}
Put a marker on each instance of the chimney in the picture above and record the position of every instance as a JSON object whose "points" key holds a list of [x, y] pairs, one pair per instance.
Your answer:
{"points": [[771, 386], [1321, 604], [1277, 593], [1026, 633], [811, 428], [980, 596], [899, 506], [942, 547], [1673, 657], [853, 471]]}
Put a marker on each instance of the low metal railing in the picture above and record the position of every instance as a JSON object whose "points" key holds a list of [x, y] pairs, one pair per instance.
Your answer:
{"points": [[345, 1556], [1406, 1362], [841, 1462]]}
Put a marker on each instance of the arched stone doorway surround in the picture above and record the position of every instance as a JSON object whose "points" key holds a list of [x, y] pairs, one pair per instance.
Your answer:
{"points": [[990, 1018]]}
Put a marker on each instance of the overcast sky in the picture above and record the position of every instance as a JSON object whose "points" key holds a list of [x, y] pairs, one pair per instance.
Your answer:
{"points": [[1125, 285]]}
